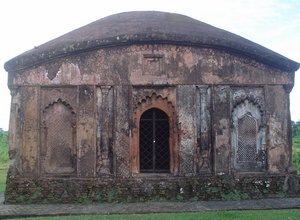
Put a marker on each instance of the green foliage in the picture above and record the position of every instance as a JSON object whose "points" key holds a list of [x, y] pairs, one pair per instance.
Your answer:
{"points": [[296, 128], [3, 148], [296, 152], [3, 158], [296, 145], [234, 195], [112, 193], [3, 173], [288, 214]]}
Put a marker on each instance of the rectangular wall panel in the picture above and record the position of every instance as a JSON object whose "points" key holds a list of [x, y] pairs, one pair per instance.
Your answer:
{"points": [[186, 116], [30, 136], [86, 132], [105, 127], [203, 157]]}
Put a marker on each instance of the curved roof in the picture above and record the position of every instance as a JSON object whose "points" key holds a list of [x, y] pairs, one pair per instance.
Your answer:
{"points": [[147, 27]]}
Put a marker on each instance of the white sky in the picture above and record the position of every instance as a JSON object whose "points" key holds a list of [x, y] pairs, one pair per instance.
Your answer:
{"points": [[24, 24]]}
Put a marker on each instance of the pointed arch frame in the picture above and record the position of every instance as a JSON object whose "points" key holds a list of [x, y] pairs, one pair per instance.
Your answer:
{"points": [[250, 109], [44, 137], [155, 101]]}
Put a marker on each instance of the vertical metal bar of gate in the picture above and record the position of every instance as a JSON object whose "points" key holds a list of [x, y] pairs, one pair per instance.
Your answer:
{"points": [[153, 141]]}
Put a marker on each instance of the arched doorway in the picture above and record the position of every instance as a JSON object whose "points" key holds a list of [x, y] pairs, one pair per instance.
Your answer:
{"points": [[154, 142]]}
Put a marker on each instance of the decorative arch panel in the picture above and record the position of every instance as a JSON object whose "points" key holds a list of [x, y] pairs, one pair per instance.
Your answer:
{"points": [[248, 137], [58, 151], [141, 111]]}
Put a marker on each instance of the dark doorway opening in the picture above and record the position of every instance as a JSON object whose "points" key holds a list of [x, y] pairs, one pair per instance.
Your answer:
{"points": [[154, 142]]}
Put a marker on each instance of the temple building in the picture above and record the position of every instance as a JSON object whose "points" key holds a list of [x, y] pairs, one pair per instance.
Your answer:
{"points": [[146, 105]]}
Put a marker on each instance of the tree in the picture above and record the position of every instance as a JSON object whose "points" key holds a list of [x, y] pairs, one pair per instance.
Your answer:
{"points": [[296, 128], [3, 146]]}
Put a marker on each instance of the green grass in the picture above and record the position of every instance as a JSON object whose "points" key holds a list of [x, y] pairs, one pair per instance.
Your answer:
{"points": [[287, 214]]}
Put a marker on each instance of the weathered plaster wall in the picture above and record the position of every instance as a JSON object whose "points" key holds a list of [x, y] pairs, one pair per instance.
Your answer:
{"points": [[186, 117], [221, 129], [122, 131], [102, 90], [30, 131], [151, 64], [15, 138], [277, 99], [86, 129]]}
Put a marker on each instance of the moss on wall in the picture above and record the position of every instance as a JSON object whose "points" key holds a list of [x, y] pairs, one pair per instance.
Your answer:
{"points": [[52, 190]]}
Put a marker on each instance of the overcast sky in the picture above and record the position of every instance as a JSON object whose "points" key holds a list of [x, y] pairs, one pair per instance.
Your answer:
{"points": [[24, 24]]}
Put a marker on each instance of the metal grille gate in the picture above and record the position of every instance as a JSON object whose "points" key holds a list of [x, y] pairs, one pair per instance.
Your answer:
{"points": [[247, 132], [154, 142]]}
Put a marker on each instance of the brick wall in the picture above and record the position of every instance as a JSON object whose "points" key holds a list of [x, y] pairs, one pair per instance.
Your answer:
{"points": [[53, 190]]}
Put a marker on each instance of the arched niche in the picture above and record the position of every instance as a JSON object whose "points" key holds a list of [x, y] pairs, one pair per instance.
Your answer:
{"points": [[58, 150], [248, 138]]}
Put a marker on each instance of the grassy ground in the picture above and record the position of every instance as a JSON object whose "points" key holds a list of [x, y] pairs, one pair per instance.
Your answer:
{"points": [[289, 214]]}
